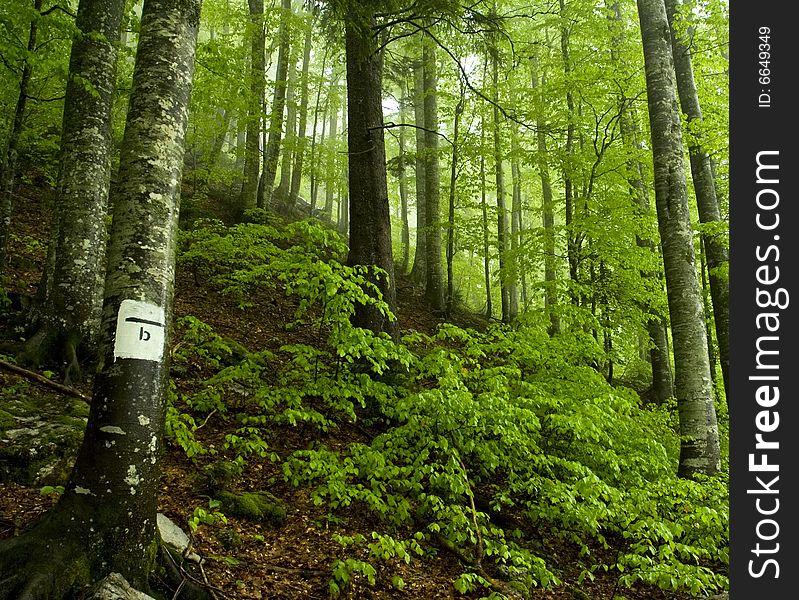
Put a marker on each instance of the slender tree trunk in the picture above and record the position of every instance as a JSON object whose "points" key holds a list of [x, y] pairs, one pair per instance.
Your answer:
{"points": [[699, 452], [434, 281], [330, 160], [502, 215], [662, 382], [453, 180], [313, 154], [515, 222], [252, 152], [219, 139], [486, 245], [70, 313], [105, 521], [419, 269], [403, 183], [281, 192], [301, 138], [711, 352], [705, 189], [275, 130], [8, 168], [370, 220], [547, 216]]}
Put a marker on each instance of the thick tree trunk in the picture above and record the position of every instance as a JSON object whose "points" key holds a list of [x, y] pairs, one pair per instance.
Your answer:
{"points": [[705, 189], [369, 216], [419, 269], [434, 280], [69, 313], [252, 152], [301, 138], [8, 168], [105, 520], [275, 130], [699, 452]]}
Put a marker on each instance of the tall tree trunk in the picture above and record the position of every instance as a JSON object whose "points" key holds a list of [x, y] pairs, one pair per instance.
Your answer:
{"points": [[70, 313], [105, 521], [662, 382], [330, 160], [252, 152], [516, 222], [453, 180], [484, 207], [419, 269], [313, 151], [568, 161], [301, 138], [275, 130], [403, 183], [8, 168], [711, 353], [705, 189], [699, 451], [434, 280], [370, 220], [281, 192], [502, 215], [547, 214]]}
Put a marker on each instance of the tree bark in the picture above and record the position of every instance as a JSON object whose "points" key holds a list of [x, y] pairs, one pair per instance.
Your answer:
{"points": [[453, 180], [301, 138], [8, 169], [69, 313], [252, 150], [699, 451], [434, 280], [105, 521], [705, 189], [403, 183], [330, 159], [369, 216], [283, 188], [419, 269], [502, 216], [486, 244], [275, 130]]}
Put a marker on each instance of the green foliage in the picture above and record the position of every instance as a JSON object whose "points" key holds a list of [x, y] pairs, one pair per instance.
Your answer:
{"points": [[210, 517], [468, 426]]}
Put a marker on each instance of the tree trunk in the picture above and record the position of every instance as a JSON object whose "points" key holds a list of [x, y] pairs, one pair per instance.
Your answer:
{"points": [[313, 151], [281, 192], [105, 520], [403, 184], [434, 280], [705, 189], [662, 382], [547, 216], [502, 216], [516, 222], [330, 160], [8, 168], [453, 180], [275, 131], [301, 138], [486, 244], [69, 315], [369, 216], [252, 152], [699, 452], [419, 269]]}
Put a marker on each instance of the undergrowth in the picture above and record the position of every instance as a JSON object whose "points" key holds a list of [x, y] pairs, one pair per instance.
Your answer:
{"points": [[482, 443]]}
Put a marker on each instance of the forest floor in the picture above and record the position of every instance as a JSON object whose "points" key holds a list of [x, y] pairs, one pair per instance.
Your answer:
{"points": [[251, 560]]}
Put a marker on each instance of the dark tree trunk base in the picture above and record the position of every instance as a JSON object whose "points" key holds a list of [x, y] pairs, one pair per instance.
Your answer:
{"points": [[49, 345]]}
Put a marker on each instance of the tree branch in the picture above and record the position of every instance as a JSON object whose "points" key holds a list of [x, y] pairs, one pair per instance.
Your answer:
{"points": [[41, 379]]}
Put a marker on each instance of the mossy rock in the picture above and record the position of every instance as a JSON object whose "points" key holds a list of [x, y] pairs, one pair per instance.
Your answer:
{"points": [[40, 434], [255, 506], [219, 475]]}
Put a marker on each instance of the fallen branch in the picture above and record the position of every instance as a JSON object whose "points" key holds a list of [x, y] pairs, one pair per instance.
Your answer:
{"points": [[41, 379]]}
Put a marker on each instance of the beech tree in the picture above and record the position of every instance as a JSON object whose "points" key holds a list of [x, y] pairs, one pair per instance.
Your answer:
{"points": [[70, 293], [699, 451], [105, 521]]}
